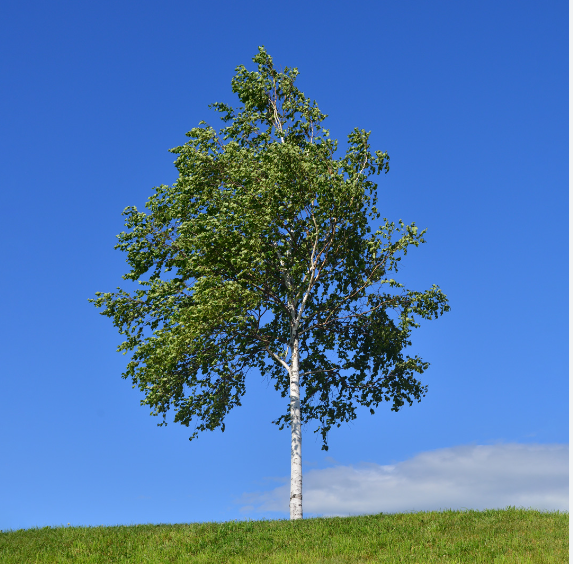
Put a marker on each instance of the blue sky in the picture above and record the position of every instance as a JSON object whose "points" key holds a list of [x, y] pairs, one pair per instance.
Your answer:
{"points": [[470, 101]]}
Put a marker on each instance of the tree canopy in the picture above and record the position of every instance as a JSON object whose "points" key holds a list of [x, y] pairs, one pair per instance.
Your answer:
{"points": [[261, 256]]}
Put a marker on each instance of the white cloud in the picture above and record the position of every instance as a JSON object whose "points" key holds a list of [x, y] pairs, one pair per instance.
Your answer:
{"points": [[470, 477]]}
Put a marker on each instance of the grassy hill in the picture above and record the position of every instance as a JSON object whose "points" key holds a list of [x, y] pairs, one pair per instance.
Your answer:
{"points": [[493, 536]]}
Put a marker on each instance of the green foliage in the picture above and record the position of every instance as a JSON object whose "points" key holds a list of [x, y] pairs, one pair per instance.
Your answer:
{"points": [[262, 240], [505, 535]]}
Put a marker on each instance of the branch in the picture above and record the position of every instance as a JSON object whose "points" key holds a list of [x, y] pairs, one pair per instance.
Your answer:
{"points": [[353, 293], [278, 359], [316, 371], [278, 123], [339, 319]]}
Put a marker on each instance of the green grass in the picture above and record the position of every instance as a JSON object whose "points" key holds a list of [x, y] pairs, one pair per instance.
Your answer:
{"points": [[508, 535]]}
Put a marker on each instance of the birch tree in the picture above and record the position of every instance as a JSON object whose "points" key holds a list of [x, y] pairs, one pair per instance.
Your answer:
{"points": [[262, 256]]}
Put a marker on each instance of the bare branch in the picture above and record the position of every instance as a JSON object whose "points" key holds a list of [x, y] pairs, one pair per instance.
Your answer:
{"points": [[278, 359], [319, 371]]}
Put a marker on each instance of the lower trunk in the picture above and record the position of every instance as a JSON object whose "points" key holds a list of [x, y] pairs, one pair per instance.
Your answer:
{"points": [[296, 439]]}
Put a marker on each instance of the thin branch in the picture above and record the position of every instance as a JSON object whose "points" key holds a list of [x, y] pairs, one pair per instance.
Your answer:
{"points": [[317, 371], [339, 319], [278, 359], [349, 296]]}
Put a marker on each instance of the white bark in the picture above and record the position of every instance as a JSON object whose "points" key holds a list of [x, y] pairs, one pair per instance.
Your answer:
{"points": [[296, 438]]}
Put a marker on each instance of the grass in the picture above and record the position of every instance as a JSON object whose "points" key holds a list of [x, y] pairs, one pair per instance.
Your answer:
{"points": [[498, 536]]}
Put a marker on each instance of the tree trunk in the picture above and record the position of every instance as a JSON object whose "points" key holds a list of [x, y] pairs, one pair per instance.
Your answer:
{"points": [[296, 439]]}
